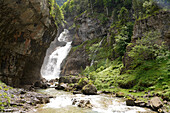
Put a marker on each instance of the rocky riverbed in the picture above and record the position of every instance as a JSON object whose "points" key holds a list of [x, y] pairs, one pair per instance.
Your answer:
{"points": [[20, 100], [81, 85], [67, 102]]}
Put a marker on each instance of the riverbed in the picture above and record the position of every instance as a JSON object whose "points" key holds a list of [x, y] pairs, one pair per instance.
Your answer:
{"points": [[101, 104]]}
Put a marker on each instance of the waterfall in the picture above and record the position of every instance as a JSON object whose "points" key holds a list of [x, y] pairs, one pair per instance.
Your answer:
{"points": [[52, 62], [94, 53]]}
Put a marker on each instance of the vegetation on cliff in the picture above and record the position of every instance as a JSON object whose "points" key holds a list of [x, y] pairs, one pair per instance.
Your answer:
{"points": [[60, 2], [56, 12], [120, 61]]}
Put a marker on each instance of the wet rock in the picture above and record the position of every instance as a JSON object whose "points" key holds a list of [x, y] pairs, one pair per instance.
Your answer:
{"points": [[23, 92], [52, 81], [43, 99], [77, 92], [99, 92], [63, 86], [65, 79], [156, 103], [119, 94], [8, 110], [165, 102], [140, 103], [168, 103], [89, 89], [130, 91], [148, 104], [82, 82], [69, 79], [130, 102], [38, 84], [82, 103], [44, 86], [106, 92]]}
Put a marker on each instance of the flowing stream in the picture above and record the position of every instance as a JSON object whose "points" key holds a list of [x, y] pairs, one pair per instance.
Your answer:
{"points": [[101, 104], [63, 101]]}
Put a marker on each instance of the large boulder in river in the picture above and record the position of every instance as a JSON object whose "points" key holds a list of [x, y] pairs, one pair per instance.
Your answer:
{"points": [[82, 103], [130, 102], [89, 89], [63, 86], [156, 103]]}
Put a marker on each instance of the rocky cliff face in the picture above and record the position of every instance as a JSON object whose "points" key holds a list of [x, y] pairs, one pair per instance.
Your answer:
{"points": [[87, 28], [25, 34], [159, 22]]}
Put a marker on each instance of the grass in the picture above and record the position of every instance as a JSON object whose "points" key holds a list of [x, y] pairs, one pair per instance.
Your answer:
{"points": [[151, 76], [5, 99]]}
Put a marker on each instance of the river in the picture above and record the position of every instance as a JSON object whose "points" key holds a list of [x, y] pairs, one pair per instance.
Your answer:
{"points": [[63, 101], [101, 104]]}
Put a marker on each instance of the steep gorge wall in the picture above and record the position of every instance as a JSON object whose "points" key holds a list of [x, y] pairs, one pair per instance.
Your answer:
{"points": [[87, 28], [158, 22], [26, 31]]}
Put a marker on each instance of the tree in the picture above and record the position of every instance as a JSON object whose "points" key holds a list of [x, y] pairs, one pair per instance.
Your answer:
{"points": [[123, 15]]}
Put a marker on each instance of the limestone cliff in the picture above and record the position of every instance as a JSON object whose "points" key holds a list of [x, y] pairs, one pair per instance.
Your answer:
{"points": [[87, 28], [25, 34], [158, 22]]}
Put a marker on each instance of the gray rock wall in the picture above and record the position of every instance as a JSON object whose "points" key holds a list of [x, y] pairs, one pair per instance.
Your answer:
{"points": [[159, 22], [26, 31]]}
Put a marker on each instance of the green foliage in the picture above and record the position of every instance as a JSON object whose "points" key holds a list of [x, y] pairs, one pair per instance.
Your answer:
{"points": [[143, 8], [56, 12], [148, 48], [122, 39], [74, 7], [4, 96], [123, 15]]}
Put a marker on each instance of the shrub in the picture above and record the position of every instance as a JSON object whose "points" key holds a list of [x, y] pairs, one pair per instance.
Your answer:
{"points": [[148, 48]]}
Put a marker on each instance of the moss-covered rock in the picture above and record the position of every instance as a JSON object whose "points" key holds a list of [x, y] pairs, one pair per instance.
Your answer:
{"points": [[89, 89], [82, 82]]}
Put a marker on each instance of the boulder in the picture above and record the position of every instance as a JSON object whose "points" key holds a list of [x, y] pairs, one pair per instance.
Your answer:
{"points": [[156, 103], [82, 82], [38, 84], [43, 99], [82, 103], [61, 86], [141, 104], [77, 92], [69, 79], [89, 89], [119, 94], [130, 102]]}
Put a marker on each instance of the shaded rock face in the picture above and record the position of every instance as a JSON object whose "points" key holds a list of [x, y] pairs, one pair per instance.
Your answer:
{"points": [[88, 28], [158, 22], [25, 34], [76, 61]]}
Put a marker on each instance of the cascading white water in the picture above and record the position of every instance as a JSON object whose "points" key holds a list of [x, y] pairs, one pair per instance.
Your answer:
{"points": [[51, 69]]}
